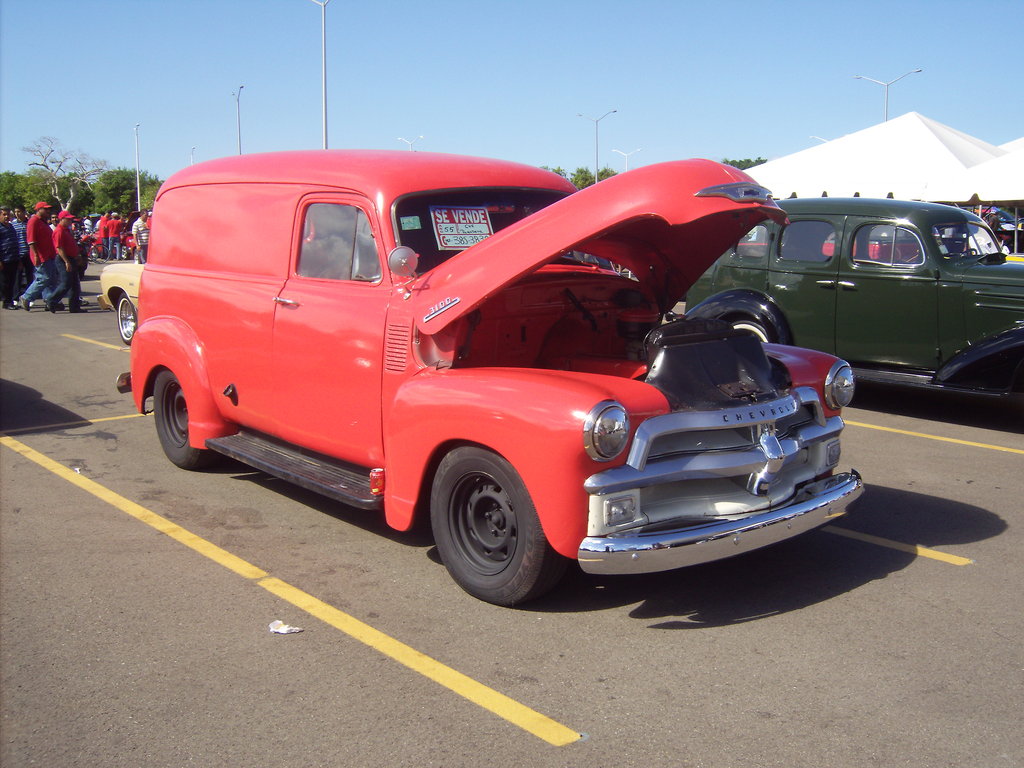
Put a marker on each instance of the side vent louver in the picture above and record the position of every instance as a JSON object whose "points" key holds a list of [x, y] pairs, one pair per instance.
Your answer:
{"points": [[396, 347]]}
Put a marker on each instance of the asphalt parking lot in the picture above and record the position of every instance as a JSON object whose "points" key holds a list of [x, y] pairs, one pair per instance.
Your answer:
{"points": [[135, 600]]}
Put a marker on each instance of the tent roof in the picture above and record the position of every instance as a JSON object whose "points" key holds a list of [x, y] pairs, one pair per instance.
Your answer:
{"points": [[895, 158], [998, 180]]}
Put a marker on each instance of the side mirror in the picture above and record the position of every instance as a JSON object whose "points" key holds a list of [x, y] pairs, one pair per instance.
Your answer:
{"points": [[403, 261]]}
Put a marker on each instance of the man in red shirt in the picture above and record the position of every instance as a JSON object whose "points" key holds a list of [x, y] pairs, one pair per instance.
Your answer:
{"points": [[41, 250], [114, 227], [67, 252]]}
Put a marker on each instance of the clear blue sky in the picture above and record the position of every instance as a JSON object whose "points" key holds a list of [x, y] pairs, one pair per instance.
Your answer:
{"points": [[500, 79]]}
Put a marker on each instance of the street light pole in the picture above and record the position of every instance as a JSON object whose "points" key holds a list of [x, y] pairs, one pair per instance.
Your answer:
{"points": [[886, 86], [323, 61], [626, 155], [597, 155], [138, 184], [192, 156], [238, 116], [410, 143]]}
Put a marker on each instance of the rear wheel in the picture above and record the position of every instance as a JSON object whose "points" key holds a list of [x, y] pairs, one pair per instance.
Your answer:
{"points": [[127, 319], [487, 531], [754, 327], [171, 413]]}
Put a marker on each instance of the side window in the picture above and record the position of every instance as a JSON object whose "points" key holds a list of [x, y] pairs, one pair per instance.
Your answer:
{"points": [[887, 245], [338, 244], [808, 241], [752, 249]]}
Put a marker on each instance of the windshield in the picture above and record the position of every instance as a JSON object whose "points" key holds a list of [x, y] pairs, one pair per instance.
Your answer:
{"points": [[964, 238], [439, 224]]}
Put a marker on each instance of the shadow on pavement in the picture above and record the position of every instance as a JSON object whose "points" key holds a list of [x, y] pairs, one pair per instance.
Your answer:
{"points": [[25, 410], [1002, 414], [789, 576]]}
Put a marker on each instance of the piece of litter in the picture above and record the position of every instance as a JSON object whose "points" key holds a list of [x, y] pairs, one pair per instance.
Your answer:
{"points": [[279, 627]]}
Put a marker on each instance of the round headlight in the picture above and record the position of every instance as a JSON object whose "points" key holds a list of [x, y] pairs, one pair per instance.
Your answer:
{"points": [[606, 431], [839, 385]]}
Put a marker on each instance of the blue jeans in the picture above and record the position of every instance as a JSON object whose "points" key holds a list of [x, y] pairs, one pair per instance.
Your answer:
{"points": [[46, 283], [68, 285]]}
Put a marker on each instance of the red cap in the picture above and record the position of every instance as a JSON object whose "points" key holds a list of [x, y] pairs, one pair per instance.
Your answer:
{"points": [[65, 215], [41, 205]]}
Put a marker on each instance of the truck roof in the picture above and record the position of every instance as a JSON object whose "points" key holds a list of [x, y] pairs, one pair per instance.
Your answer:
{"points": [[381, 175]]}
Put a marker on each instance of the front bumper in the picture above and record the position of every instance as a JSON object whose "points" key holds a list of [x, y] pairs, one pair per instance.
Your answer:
{"points": [[640, 551]]}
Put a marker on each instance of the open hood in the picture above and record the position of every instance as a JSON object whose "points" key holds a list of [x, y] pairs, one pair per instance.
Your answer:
{"points": [[666, 223]]}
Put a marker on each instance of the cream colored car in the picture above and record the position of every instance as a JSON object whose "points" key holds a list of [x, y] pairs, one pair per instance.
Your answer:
{"points": [[119, 290]]}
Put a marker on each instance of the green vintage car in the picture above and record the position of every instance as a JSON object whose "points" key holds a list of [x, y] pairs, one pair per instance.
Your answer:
{"points": [[909, 293]]}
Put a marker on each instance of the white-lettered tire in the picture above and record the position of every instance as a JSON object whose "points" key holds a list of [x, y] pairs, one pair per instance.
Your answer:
{"points": [[754, 327], [487, 531], [127, 319]]}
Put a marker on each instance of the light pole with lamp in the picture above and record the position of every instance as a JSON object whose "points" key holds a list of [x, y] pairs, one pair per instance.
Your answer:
{"points": [[596, 121], [410, 143], [626, 155], [886, 86], [192, 156], [323, 61], [138, 184], [238, 116]]}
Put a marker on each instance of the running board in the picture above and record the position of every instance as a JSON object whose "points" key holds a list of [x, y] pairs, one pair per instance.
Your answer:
{"points": [[332, 478]]}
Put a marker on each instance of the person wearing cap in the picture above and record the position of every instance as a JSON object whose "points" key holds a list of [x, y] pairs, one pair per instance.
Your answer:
{"points": [[40, 247], [70, 284], [114, 227]]}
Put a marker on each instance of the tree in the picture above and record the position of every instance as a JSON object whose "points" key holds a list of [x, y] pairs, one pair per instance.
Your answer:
{"points": [[744, 164], [115, 190], [584, 177], [64, 171]]}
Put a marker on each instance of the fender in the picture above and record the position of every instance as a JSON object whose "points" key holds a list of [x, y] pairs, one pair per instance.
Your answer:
{"points": [[743, 301], [994, 363], [533, 418], [807, 368], [167, 342]]}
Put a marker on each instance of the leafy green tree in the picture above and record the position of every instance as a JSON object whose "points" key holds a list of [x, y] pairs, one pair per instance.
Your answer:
{"points": [[25, 189], [744, 164], [557, 169], [584, 177], [115, 190]]}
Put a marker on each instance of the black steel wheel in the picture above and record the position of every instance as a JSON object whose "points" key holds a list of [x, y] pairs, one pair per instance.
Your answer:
{"points": [[171, 414], [487, 531]]}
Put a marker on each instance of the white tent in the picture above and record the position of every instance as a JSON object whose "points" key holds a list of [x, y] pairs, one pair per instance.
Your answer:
{"points": [[896, 158], [999, 180]]}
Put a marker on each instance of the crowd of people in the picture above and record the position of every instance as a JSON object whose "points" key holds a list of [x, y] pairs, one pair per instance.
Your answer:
{"points": [[44, 257]]}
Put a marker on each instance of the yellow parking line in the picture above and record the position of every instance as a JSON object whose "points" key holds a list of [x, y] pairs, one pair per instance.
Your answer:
{"points": [[69, 424], [93, 341], [509, 709], [935, 437], [512, 711], [913, 549]]}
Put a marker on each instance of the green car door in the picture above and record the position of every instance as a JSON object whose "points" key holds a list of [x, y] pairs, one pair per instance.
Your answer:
{"points": [[886, 297], [803, 276]]}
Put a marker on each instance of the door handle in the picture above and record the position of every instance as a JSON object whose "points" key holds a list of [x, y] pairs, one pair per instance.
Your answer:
{"points": [[846, 285], [286, 302], [825, 283]]}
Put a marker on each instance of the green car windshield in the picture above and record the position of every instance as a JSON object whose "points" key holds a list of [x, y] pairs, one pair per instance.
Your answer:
{"points": [[964, 239]]}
